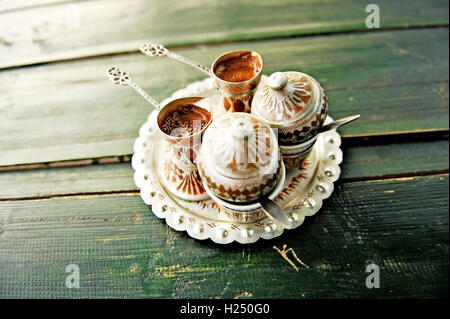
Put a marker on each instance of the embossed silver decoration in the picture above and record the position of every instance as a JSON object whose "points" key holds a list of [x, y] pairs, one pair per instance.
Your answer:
{"points": [[239, 160], [296, 105], [292, 102], [236, 96], [299, 193], [158, 50], [285, 98]]}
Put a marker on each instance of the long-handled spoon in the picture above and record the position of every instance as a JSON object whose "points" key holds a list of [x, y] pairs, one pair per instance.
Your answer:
{"points": [[335, 124], [158, 50], [119, 77]]}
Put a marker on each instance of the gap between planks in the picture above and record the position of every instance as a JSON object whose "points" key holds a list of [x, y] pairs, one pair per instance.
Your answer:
{"points": [[133, 192], [112, 50], [348, 140]]}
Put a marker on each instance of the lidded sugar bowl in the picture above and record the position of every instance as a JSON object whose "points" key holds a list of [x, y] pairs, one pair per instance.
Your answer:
{"points": [[239, 160], [292, 102], [296, 105]]}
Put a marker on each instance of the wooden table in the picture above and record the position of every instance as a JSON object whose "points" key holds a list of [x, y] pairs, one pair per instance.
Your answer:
{"points": [[66, 135]]}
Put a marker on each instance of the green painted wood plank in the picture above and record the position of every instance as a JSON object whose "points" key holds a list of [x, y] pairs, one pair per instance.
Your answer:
{"points": [[360, 162], [45, 34], [397, 81], [124, 251], [9, 5], [66, 180], [374, 161]]}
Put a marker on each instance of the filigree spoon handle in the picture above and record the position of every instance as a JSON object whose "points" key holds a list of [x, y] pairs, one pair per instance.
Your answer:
{"points": [[120, 77], [158, 50]]}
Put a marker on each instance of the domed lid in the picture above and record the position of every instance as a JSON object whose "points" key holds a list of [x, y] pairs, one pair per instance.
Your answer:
{"points": [[286, 97], [239, 146]]}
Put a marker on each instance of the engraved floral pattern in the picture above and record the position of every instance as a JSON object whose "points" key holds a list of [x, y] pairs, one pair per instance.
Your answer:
{"points": [[242, 154], [239, 159], [187, 182], [288, 104]]}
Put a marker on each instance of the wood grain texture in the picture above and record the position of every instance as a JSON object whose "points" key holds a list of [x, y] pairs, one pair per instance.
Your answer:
{"points": [[66, 111], [46, 34], [360, 162], [376, 161], [11, 5], [390, 206], [67, 180], [124, 251]]}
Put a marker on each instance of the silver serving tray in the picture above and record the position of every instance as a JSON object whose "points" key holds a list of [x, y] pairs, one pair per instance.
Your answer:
{"points": [[303, 192]]}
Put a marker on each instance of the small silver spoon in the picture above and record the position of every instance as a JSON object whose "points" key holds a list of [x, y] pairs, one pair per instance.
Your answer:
{"points": [[158, 50], [335, 124], [119, 77]]}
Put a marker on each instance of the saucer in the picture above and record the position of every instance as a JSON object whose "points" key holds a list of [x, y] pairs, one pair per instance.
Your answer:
{"points": [[302, 194]]}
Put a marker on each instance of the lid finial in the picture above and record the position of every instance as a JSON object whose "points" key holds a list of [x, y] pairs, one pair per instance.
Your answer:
{"points": [[277, 81], [242, 128]]}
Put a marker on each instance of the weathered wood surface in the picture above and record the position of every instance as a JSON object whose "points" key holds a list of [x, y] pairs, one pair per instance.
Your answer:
{"points": [[381, 161], [390, 206], [51, 32], [11, 5], [360, 163], [124, 251], [66, 111]]}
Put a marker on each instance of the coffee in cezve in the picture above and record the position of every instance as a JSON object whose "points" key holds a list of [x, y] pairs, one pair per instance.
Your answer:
{"points": [[185, 121], [238, 68]]}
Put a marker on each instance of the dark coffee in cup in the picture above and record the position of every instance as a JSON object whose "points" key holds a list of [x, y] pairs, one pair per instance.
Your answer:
{"points": [[238, 68], [236, 74], [184, 121]]}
